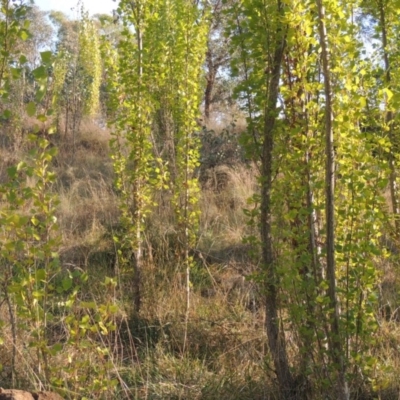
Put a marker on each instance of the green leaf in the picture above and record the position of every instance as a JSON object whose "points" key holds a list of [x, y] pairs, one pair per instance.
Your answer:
{"points": [[40, 93], [16, 73], [37, 294], [388, 93], [7, 114], [67, 283], [23, 34], [57, 347], [52, 152], [46, 56], [88, 304], [12, 171], [40, 72], [31, 109], [42, 118], [40, 275]]}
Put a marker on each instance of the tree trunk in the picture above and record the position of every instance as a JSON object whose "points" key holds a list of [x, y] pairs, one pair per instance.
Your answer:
{"points": [[211, 74], [335, 346], [276, 339], [138, 204], [137, 261]]}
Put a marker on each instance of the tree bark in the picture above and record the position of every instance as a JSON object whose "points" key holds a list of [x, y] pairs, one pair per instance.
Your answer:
{"points": [[276, 339], [137, 212], [211, 74], [335, 346]]}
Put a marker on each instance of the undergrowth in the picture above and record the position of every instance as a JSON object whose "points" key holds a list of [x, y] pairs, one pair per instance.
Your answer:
{"points": [[226, 353]]}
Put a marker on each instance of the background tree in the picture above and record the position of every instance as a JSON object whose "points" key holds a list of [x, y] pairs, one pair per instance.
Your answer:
{"points": [[217, 55], [79, 70]]}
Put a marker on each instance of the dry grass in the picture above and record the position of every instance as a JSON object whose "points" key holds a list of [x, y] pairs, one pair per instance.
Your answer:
{"points": [[224, 196], [222, 331]]}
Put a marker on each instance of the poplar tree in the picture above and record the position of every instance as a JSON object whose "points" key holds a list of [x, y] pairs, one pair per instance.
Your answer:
{"points": [[262, 35], [383, 100], [159, 67], [89, 63], [335, 337], [28, 234], [77, 73], [180, 33], [132, 152]]}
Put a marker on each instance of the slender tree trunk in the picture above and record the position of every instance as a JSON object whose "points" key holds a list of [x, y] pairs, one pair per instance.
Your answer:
{"points": [[212, 72], [389, 122], [186, 241], [137, 262], [66, 119], [276, 339], [334, 340], [138, 252], [11, 314]]}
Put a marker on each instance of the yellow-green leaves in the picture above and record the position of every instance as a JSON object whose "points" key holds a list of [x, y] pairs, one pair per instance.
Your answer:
{"points": [[89, 63], [31, 109], [155, 79]]}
